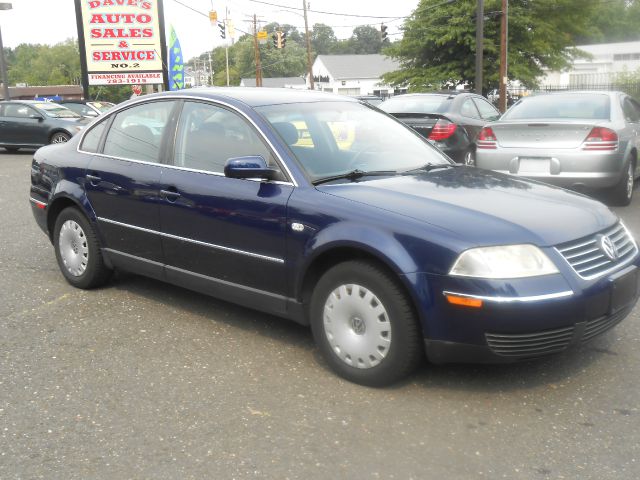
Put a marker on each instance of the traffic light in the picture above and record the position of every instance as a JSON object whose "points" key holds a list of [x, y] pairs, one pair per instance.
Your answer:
{"points": [[222, 28], [383, 31], [279, 39]]}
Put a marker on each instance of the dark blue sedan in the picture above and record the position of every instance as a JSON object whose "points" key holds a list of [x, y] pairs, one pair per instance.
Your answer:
{"points": [[323, 210]]}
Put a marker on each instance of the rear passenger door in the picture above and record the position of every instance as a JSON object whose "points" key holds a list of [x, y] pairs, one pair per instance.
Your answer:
{"points": [[122, 184]]}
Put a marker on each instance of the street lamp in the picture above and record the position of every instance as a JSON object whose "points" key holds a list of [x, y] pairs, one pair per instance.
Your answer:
{"points": [[3, 65]]}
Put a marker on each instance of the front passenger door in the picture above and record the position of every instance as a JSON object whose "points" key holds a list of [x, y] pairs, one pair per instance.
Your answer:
{"points": [[224, 236]]}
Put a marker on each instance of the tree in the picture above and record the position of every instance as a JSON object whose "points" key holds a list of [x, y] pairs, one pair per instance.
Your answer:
{"points": [[613, 21], [323, 39], [438, 47], [366, 39]]}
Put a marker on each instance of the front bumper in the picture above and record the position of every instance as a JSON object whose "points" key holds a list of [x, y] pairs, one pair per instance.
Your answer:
{"points": [[525, 318]]}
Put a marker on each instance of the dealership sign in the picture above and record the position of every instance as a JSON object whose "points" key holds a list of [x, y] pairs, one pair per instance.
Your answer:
{"points": [[121, 41]]}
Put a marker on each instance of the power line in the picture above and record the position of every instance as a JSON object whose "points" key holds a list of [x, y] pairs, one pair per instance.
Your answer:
{"points": [[324, 13]]}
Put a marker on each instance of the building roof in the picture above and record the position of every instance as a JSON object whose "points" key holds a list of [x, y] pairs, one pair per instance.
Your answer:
{"points": [[46, 90], [358, 66], [276, 82]]}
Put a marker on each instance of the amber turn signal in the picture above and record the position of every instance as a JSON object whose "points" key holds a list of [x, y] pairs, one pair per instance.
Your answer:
{"points": [[464, 301]]}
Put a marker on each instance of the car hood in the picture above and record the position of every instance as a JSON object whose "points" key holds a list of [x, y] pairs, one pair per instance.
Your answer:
{"points": [[488, 207]]}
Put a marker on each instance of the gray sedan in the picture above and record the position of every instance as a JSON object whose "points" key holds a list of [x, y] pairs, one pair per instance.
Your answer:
{"points": [[585, 141], [32, 124]]}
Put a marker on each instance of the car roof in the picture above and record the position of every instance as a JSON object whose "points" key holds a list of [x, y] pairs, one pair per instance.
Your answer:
{"points": [[27, 102], [257, 96]]}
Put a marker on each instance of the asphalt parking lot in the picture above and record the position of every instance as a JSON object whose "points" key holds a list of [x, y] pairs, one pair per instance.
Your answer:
{"points": [[145, 380]]}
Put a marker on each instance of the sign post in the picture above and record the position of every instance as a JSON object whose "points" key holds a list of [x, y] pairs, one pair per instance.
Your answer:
{"points": [[121, 43]]}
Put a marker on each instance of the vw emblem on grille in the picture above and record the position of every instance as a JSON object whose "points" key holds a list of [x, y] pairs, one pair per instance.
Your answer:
{"points": [[608, 247]]}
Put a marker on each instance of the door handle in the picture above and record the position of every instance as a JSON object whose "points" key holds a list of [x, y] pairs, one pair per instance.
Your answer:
{"points": [[171, 195], [93, 179]]}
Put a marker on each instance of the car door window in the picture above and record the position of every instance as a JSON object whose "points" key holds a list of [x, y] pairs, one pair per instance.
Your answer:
{"points": [[137, 132], [487, 111], [630, 112], [16, 110], [209, 135], [468, 109], [91, 140]]}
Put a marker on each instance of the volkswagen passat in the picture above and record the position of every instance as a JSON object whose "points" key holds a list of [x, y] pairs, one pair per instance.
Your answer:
{"points": [[323, 210]]}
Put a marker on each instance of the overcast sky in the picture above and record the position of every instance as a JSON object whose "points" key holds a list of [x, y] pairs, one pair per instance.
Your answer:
{"points": [[53, 21]]}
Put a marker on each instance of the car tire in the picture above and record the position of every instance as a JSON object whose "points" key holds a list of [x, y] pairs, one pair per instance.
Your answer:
{"points": [[470, 158], [59, 137], [622, 193], [78, 250], [11, 149], [365, 325]]}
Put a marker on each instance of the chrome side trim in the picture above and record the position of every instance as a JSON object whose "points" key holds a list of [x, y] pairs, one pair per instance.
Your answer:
{"points": [[533, 298], [190, 240], [115, 111], [37, 202]]}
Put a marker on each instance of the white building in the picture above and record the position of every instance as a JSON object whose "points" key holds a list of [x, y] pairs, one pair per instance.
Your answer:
{"points": [[276, 82], [353, 74], [608, 60]]}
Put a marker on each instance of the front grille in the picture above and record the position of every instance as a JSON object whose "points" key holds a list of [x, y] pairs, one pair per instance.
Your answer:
{"points": [[602, 324], [529, 345], [587, 257]]}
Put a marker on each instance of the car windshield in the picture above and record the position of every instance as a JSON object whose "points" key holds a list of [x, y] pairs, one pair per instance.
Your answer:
{"points": [[102, 106], [416, 104], [55, 110], [561, 106], [336, 138]]}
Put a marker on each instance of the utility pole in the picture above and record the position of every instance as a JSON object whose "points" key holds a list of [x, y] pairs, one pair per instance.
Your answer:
{"points": [[306, 29], [479, 45], [504, 34], [210, 71], [257, 52]]}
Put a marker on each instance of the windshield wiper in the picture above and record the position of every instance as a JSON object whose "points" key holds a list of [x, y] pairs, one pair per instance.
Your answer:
{"points": [[429, 166], [354, 175]]}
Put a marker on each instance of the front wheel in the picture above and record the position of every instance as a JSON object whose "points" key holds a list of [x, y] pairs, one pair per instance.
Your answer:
{"points": [[60, 137], [364, 324], [78, 251]]}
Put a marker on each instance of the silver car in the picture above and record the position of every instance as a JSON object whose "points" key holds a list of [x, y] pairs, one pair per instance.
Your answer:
{"points": [[584, 141]]}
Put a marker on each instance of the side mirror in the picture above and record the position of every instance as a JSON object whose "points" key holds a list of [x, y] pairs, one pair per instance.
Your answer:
{"points": [[249, 167], [36, 117]]}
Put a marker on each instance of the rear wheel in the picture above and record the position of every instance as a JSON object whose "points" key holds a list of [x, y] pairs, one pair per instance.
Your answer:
{"points": [[470, 158], [78, 250], [622, 193], [364, 324], [60, 137]]}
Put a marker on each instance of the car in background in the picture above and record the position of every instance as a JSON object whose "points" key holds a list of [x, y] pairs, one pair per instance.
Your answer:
{"points": [[370, 99], [32, 124], [584, 140], [87, 108], [450, 120], [385, 247]]}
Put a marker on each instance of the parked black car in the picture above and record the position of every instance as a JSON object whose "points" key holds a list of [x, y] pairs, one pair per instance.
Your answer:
{"points": [[86, 108], [451, 120], [32, 124]]}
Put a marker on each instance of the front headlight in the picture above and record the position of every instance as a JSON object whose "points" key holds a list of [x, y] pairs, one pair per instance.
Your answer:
{"points": [[508, 261]]}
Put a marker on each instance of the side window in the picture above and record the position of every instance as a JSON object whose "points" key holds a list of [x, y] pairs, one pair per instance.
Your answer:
{"points": [[487, 111], [17, 110], [91, 140], [137, 132], [209, 135], [635, 106], [630, 112], [469, 109]]}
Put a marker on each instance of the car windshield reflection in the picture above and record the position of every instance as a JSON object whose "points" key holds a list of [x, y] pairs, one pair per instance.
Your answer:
{"points": [[333, 139]]}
